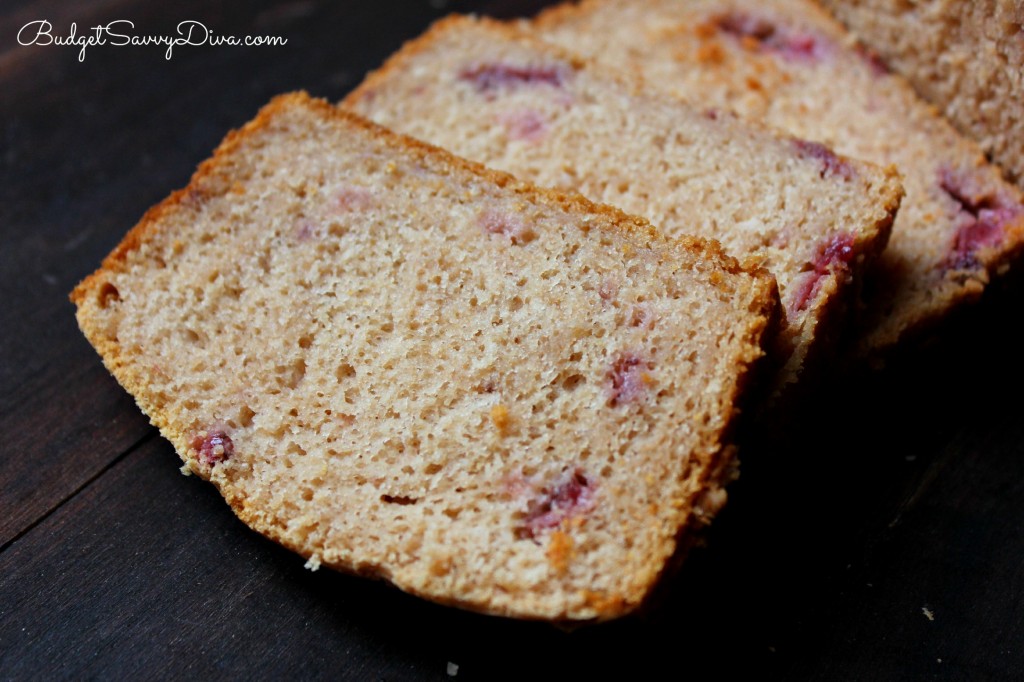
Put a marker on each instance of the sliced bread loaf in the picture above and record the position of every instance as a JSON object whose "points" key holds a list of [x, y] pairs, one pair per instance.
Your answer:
{"points": [[493, 94], [403, 365], [789, 63], [967, 58]]}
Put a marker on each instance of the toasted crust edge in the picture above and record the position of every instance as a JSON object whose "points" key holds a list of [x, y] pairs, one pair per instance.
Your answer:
{"points": [[436, 156]]}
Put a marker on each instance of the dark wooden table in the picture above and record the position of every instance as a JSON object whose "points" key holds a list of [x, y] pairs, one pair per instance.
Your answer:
{"points": [[881, 536]]}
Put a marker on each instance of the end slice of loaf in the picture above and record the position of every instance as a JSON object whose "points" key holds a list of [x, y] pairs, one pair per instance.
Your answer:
{"points": [[966, 58], [402, 365], [790, 64], [491, 93]]}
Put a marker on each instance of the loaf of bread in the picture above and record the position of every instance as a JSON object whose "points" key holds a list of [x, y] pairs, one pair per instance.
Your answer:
{"points": [[966, 58], [790, 64], [400, 364], [491, 93]]}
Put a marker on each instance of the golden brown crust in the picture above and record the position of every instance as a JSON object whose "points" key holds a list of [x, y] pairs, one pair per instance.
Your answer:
{"points": [[556, 14], [435, 156]]}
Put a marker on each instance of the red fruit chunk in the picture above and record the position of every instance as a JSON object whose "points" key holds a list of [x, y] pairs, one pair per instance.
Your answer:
{"points": [[305, 230], [797, 47], [968, 240], [628, 379], [641, 316], [746, 26], [489, 78], [838, 249], [830, 163], [765, 36], [873, 60], [511, 226], [212, 447], [524, 124], [833, 256], [983, 216], [351, 198], [570, 497]]}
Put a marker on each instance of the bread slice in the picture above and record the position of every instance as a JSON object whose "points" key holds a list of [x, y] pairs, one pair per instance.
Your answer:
{"points": [[490, 93], [790, 64], [400, 364], [966, 58]]}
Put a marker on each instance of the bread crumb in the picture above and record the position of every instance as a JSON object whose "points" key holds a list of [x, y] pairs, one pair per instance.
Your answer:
{"points": [[750, 43], [453, 669], [313, 563], [560, 551], [927, 613], [499, 415], [601, 601], [441, 566], [710, 53], [705, 30]]}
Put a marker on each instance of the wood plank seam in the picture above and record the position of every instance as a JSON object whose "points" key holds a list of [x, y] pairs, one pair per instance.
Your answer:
{"points": [[92, 479]]}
